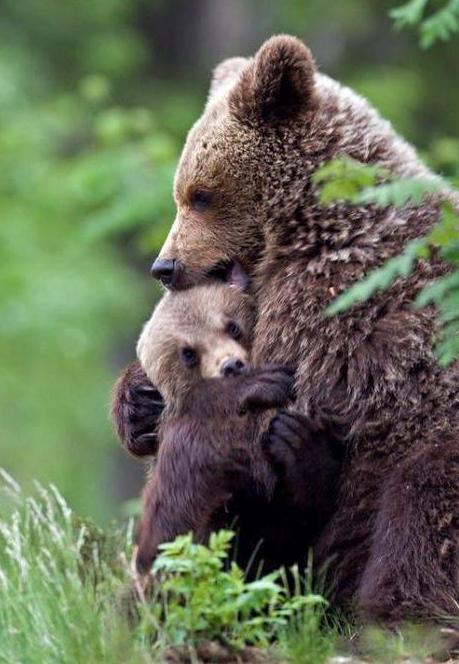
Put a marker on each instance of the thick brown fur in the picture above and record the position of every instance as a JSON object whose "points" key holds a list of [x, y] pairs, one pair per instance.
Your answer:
{"points": [[207, 458], [370, 373], [210, 472]]}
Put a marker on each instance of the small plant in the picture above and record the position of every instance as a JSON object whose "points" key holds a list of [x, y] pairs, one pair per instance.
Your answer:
{"points": [[307, 638], [413, 643], [61, 579], [203, 597]]}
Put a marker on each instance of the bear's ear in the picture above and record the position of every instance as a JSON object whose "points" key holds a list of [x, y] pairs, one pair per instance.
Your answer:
{"points": [[224, 75], [278, 85]]}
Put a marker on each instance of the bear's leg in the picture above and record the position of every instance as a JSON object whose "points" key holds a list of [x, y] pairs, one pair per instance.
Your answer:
{"points": [[412, 570], [308, 462]]}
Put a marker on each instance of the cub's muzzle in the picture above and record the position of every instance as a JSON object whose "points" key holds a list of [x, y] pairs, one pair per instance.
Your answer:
{"points": [[233, 367]]}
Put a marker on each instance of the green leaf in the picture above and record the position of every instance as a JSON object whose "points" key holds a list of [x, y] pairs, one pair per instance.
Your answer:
{"points": [[378, 280], [343, 178], [446, 231], [409, 14], [436, 291], [400, 192], [441, 25]]}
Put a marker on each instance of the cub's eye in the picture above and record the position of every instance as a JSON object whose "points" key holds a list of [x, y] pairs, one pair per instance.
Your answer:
{"points": [[234, 330], [189, 357], [201, 200]]}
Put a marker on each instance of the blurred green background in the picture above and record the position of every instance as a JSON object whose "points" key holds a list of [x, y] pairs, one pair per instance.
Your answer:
{"points": [[95, 101]]}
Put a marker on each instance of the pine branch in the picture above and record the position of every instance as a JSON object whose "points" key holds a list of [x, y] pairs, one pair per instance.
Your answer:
{"points": [[440, 25]]}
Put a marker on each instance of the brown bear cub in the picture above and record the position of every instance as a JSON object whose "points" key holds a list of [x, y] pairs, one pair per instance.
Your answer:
{"points": [[196, 349]]}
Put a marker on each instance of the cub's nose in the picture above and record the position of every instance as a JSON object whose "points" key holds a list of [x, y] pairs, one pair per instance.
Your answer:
{"points": [[233, 367], [164, 269]]}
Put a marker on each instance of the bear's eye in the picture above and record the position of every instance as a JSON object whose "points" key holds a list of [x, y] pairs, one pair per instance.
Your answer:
{"points": [[189, 357], [201, 200], [234, 330]]}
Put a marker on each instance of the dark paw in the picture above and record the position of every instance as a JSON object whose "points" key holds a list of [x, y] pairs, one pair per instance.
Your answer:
{"points": [[289, 438], [137, 406], [306, 462], [268, 387], [289, 434]]}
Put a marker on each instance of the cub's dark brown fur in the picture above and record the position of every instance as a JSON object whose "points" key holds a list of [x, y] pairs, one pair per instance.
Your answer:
{"points": [[207, 458], [209, 473], [270, 122]]}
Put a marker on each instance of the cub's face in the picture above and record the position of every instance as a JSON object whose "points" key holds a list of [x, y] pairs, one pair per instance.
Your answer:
{"points": [[202, 333], [237, 163]]}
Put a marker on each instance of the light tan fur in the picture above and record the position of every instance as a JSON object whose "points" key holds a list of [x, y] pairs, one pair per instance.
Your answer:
{"points": [[195, 319]]}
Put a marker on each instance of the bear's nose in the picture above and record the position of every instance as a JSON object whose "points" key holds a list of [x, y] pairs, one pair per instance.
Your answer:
{"points": [[233, 367], [164, 269]]}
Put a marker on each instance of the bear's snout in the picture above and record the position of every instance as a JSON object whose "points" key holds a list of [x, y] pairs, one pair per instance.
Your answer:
{"points": [[233, 367], [166, 271]]}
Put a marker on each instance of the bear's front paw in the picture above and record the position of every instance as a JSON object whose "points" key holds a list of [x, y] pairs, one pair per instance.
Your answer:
{"points": [[270, 386], [136, 408], [305, 458]]}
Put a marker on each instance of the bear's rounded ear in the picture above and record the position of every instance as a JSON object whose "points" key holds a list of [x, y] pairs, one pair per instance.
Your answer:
{"points": [[225, 75], [278, 85]]}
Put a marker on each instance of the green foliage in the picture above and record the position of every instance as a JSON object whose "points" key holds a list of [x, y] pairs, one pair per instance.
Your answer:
{"points": [[399, 192], [207, 600], [310, 636], [85, 193], [308, 639], [50, 611], [347, 179], [440, 25], [60, 575], [412, 643], [344, 179], [444, 292], [378, 280]]}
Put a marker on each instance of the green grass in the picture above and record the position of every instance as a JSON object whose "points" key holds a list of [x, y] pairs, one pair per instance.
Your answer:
{"points": [[64, 585], [66, 597]]}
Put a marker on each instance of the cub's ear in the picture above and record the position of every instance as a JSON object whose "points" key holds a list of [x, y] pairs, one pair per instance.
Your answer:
{"points": [[278, 85], [224, 75]]}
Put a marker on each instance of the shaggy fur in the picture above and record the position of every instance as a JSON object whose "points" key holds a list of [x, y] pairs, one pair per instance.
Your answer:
{"points": [[210, 471], [206, 457], [370, 373]]}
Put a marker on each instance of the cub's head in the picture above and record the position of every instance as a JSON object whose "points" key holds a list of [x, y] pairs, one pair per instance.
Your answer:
{"points": [[240, 164], [203, 332]]}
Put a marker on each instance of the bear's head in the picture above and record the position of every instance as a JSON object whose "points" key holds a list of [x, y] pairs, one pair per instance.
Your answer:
{"points": [[198, 334], [240, 166]]}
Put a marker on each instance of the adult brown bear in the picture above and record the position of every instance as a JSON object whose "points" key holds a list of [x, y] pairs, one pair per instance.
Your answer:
{"points": [[243, 191]]}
